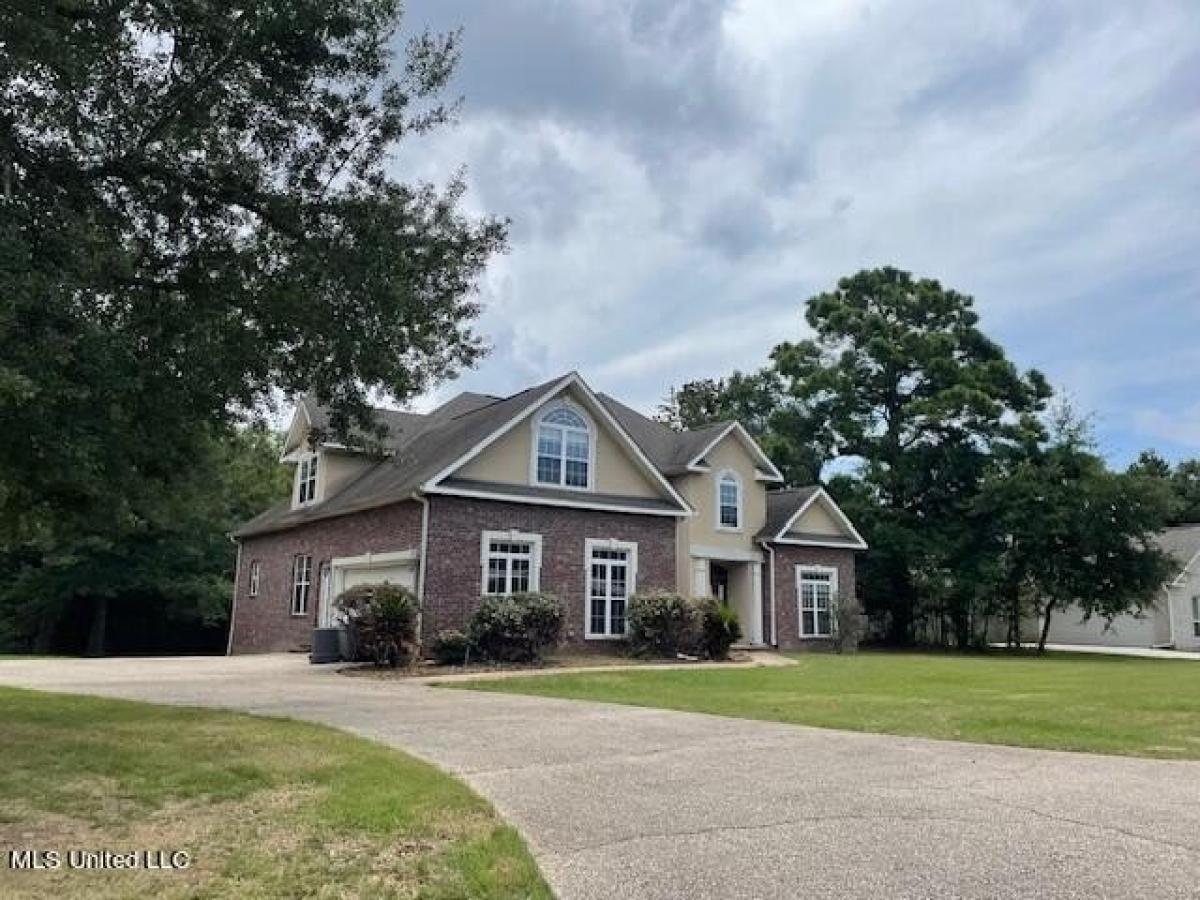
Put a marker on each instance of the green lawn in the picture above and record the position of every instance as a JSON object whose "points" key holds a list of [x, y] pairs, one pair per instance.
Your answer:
{"points": [[1119, 705], [265, 808]]}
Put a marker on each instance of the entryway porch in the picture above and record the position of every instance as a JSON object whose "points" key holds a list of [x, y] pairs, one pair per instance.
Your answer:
{"points": [[734, 577]]}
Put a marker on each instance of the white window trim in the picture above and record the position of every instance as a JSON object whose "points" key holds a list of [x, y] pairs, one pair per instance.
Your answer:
{"points": [[302, 465], [741, 500], [832, 572], [535, 558], [297, 569], [631, 548], [536, 424], [255, 577]]}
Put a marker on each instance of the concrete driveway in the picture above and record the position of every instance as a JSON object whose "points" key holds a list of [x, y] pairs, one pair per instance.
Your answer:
{"points": [[620, 802]]}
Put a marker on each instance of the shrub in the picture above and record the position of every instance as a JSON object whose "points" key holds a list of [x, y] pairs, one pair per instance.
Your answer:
{"points": [[515, 627], [849, 627], [719, 628], [662, 624], [450, 647], [382, 620]]}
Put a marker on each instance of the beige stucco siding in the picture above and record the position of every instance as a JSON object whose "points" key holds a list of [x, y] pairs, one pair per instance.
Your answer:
{"points": [[700, 491], [1067, 627], [1180, 596], [818, 520], [508, 461], [338, 469]]}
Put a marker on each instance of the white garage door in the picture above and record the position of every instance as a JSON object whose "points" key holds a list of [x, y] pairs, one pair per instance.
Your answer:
{"points": [[398, 568], [404, 574], [1068, 627]]}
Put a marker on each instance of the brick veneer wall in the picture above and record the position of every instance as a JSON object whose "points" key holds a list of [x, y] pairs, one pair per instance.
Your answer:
{"points": [[453, 579], [787, 611], [265, 622]]}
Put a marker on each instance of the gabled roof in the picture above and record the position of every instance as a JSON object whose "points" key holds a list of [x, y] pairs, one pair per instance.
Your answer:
{"points": [[781, 509], [680, 452], [402, 427], [435, 483], [426, 449], [1182, 544], [784, 508]]}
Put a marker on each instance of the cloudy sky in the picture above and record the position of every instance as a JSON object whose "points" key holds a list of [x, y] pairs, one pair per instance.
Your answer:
{"points": [[681, 176]]}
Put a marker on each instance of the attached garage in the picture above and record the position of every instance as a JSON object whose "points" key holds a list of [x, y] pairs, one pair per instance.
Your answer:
{"points": [[1148, 630], [398, 568]]}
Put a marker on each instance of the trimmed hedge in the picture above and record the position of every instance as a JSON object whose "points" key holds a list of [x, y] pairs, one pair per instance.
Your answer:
{"points": [[662, 623], [516, 627], [451, 647], [666, 624], [719, 628], [382, 620]]}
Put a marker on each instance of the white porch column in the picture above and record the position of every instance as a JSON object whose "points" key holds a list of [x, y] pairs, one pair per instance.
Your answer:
{"points": [[754, 631], [700, 580]]}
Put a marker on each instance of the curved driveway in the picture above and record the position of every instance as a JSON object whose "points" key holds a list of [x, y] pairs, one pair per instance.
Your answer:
{"points": [[622, 802]]}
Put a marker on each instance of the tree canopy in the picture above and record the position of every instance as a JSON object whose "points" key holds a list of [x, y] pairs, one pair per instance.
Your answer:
{"points": [[971, 506], [200, 208]]}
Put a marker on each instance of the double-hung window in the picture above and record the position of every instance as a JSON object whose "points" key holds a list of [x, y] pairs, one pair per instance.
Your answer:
{"points": [[255, 577], [510, 562], [564, 449], [729, 501], [301, 584], [306, 480], [612, 572], [816, 588]]}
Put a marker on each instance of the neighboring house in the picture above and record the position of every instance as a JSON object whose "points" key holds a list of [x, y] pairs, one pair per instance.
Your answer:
{"points": [[556, 489], [1173, 620]]}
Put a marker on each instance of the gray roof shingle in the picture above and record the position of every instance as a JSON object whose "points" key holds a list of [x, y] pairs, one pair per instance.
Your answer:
{"points": [[419, 445], [1181, 543], [441, 437], [781, 506]]}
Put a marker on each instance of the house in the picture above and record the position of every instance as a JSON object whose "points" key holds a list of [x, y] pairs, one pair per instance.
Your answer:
{"points": [[1172, 621], [557, 489]]}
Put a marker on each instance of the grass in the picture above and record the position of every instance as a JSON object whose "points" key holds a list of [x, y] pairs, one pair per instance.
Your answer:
{"points": [[266, 808], [1114, 705]]}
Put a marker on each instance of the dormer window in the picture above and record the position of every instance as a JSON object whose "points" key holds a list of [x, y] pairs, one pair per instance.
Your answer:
{"points": [[563, 454], [729, 501], [306, 480]]}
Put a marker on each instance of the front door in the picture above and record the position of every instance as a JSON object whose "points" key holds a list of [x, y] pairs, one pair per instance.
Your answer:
{"points": [[719, 580]]}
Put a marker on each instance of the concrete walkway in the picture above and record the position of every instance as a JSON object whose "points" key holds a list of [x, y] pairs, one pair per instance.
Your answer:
{"points": [[1145, 652], [619, 802]]}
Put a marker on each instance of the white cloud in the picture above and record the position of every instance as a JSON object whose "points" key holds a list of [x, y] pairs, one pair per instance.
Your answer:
{"points": [[682, 176]]}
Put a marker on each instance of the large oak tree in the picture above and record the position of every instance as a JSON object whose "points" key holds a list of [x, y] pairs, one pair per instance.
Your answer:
{"points": [[200, 206]]}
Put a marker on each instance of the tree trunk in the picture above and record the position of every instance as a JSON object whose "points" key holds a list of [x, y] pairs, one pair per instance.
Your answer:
{"points": [[1045, 627], [43, 642], [95, 641]]}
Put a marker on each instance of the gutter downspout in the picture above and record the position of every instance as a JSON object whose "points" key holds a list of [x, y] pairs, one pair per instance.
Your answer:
{"points": [[237, 577], [424, 501], [771, 577], [1170, 616]]}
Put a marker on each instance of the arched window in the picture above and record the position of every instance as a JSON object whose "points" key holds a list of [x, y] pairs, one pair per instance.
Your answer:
{"points": [[563, 455], [729, 500]]}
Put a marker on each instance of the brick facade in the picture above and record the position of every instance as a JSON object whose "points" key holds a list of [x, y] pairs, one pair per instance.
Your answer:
{"points": [[265, 622], [787, 609], [453, 579]]}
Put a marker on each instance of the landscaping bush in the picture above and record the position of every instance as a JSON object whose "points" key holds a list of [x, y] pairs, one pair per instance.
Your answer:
{"points": [[719, 628], [662, 624], [450, 647], [382, 620], [516, 627]]}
